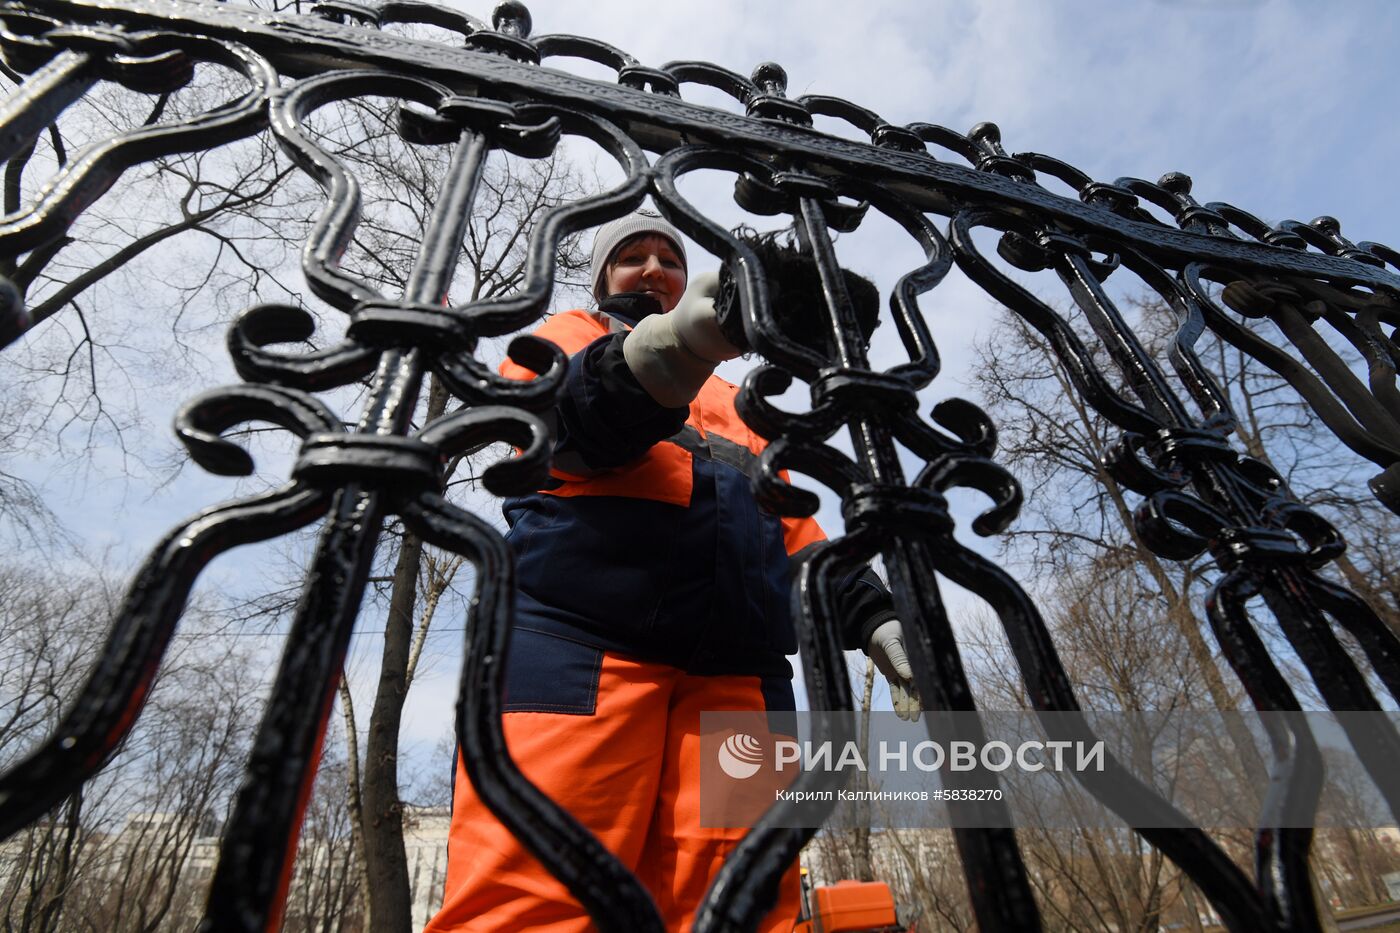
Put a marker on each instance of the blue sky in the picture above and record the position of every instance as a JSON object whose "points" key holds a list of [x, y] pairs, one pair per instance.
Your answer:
{"points": [[1281, 107]]}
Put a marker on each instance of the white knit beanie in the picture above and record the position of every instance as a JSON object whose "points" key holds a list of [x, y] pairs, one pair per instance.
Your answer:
{"points": [[614, 233]]}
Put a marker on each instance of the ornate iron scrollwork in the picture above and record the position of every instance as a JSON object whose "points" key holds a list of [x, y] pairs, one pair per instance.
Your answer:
{"points": [[1199, 495]]}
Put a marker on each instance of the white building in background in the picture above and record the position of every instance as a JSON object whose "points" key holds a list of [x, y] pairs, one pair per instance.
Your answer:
{"points": [[425, 844], [106, 854]]}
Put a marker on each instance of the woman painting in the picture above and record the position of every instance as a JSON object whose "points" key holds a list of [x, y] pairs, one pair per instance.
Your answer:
{"points": [[651, 587]]}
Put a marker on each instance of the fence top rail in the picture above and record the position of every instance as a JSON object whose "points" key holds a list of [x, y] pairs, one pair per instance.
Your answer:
{"points": [[660, 120]]}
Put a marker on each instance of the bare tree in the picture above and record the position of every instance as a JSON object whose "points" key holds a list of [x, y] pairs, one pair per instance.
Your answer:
{"points": [[325, 890], [922, 867], [44, 628], [1278, 428], [193, 739], [1356, 850], [1076, 511], [1122, 654], [123, 853], [1124, 620]]}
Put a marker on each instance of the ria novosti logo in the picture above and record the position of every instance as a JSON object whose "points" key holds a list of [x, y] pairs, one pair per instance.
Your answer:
{"points": [[740, 756]]}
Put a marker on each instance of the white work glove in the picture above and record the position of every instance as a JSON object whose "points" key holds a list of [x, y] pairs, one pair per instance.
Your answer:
{"points": [[886, 649], [673, 354]]}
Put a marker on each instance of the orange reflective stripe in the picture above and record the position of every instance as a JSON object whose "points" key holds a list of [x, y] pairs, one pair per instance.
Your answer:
{"points": [[662, 475], [570, 331]]}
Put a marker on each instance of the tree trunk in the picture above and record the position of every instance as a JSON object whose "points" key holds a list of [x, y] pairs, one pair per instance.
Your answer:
{"points": [[353, 801], [387, 867], [386, 864]]}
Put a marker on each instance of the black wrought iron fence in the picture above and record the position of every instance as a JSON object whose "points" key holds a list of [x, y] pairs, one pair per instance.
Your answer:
{"points": [[1198, 492]]}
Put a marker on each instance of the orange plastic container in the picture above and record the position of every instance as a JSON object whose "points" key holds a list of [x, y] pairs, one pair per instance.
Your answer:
{"points": [[848, 906]]}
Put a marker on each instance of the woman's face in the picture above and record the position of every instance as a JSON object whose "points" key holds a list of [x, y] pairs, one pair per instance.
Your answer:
{"points": [[650, 264]]}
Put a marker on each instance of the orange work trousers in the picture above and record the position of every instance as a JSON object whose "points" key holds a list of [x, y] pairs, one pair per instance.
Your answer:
{"points": [[629, 772]]}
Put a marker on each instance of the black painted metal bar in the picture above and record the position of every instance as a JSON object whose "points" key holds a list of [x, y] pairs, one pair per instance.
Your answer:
{"points": [[247, 891], [300, 46]]}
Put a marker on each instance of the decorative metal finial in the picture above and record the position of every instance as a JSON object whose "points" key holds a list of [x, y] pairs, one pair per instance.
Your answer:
{"points": [[1330, 226], [986, 132], [512, 18], [771, 79], [987, 137], [1176, 182], [509, 36]]}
